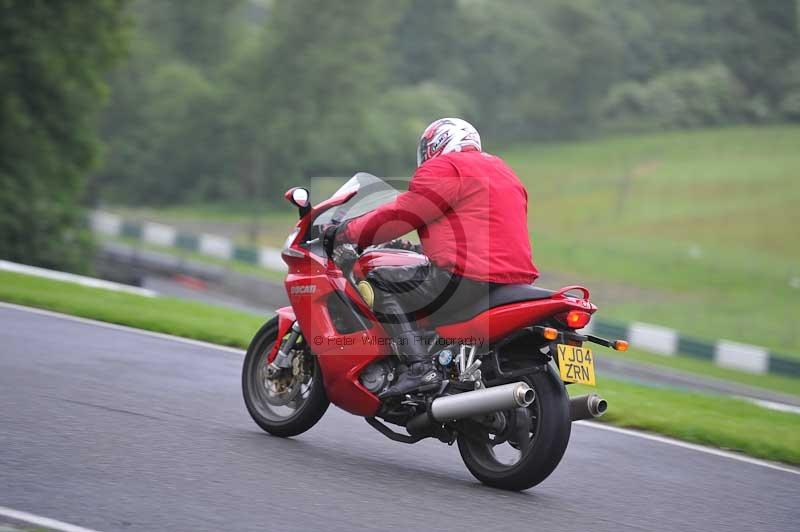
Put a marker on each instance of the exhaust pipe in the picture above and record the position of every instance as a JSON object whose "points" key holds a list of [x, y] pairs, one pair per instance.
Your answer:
{"points": [[587, 407], [469, 404]]}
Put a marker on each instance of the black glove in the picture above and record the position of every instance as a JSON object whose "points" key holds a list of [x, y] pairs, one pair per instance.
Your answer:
{"points": [[344, 257], [333, 235]]}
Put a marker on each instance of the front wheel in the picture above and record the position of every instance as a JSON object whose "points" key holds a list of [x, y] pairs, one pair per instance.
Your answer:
{"points": [[530, 446], [290, 402]]}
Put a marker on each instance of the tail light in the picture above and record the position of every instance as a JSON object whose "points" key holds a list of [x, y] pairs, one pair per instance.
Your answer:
{"points": [[575, 319]]}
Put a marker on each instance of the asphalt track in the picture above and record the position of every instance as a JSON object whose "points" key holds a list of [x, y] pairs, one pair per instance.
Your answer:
{"points": [[114, 430]]}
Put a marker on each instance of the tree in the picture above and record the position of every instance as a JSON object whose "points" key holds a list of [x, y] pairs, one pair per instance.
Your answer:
{"points": [[754, 39], [319, 77], [53, 58], [223, 100], [168, 122], [196, 31], [538, 69], [428, 41]]}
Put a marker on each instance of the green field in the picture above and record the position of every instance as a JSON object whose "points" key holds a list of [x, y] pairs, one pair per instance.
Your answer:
{"points": [[708, 419], [694, 230]]}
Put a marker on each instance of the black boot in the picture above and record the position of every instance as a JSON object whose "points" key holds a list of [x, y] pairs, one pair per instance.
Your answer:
{"points": [[422, 376]]}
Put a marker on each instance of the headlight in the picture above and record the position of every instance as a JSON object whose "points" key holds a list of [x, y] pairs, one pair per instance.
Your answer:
{"points": [[290, 238]]}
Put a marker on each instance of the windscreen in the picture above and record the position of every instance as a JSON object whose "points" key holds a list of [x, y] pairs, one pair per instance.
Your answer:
{"points": [[372, 192]]}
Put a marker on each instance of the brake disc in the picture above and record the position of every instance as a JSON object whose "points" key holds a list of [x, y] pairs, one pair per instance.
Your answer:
{"points": [[283, 388]]}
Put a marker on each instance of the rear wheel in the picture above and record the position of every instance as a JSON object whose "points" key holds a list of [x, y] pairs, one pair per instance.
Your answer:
{"points": [[290, 402], [530, 446]]}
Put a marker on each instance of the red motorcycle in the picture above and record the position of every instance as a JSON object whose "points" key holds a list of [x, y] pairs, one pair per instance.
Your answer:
{"points": [[504, 360]]}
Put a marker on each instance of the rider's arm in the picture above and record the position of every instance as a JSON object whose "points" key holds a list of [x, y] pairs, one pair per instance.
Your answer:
{"points": [[434, 190]]}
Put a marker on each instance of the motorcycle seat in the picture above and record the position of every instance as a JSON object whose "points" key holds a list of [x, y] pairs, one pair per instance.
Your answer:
{"points": [[498, 296]]}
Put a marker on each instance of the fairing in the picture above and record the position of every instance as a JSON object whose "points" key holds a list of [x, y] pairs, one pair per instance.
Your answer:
{"points": [[311, 282]]}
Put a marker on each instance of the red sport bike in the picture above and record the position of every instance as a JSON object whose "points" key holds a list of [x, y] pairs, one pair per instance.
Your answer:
{"points": [[504, 360]]}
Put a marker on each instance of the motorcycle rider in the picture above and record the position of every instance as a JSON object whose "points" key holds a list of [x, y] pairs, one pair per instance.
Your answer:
{"points": [[470, 211]]}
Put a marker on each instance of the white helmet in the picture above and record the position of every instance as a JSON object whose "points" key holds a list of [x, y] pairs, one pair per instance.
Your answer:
{"points": [[446, 135]]}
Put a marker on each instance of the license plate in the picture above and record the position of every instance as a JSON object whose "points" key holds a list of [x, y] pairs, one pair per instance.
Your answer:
{"points": [[576, 364]]}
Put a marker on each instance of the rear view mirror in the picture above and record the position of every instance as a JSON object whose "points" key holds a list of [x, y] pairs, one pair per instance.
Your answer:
{"points": [[299, 197]]}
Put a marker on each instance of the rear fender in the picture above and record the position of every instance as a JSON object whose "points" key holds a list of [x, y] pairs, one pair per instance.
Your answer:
{"points": [[286, 318]]}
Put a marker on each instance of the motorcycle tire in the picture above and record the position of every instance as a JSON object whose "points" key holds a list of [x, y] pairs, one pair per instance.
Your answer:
{"points": [[545, 449], [307, 414]]}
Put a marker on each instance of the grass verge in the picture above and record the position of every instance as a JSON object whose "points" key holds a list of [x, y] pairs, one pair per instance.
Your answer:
{"points": [[706, 419], [699, 418], [179, 317]]}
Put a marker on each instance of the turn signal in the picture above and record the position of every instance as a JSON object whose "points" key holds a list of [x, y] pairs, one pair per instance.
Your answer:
{"points": [[549, 333], [577, 319], [621, 345]]}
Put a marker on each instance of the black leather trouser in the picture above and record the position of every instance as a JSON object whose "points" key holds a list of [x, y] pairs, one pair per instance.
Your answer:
{"points": [[403, 292]]}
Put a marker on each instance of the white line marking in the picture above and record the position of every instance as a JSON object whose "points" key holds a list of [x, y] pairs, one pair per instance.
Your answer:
{"points": [[42, 521], [596, 425], [772, 405], [114, 326], [691, 446]]}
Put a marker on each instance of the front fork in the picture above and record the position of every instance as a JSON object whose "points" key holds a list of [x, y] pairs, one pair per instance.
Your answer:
{"points": [[283, 359]]}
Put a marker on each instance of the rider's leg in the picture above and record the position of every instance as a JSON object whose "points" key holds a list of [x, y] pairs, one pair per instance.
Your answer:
{"points": [[401, 291], [393, 305]]}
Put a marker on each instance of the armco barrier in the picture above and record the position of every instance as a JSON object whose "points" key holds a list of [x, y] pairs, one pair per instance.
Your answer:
{"points": [[647, 337]]}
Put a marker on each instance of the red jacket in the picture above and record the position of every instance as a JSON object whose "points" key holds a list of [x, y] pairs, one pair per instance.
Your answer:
{"points": [[470, 210]]}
